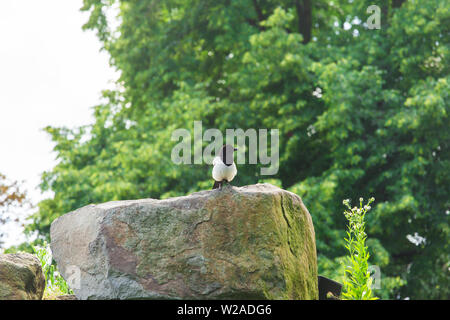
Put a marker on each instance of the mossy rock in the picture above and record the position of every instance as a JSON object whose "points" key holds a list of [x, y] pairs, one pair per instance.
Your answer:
{"points": [[21, 277], [253, 242]]}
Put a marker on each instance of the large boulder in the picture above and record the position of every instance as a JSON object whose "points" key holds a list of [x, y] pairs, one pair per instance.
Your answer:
{"points": [[253, 242], [21, 277]]}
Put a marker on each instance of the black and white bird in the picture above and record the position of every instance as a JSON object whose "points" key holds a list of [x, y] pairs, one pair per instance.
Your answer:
{"points": [[224, 169]]}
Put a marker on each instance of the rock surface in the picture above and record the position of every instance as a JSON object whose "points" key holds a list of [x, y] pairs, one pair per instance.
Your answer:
{"points": [[253, 242], [21, 277], [67, 297]]}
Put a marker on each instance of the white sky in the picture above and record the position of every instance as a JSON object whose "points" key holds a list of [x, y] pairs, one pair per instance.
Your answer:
{"points": [[51, 73]]}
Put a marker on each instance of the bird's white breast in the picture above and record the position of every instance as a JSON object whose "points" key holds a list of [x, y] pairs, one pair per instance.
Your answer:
{"points": [[223, 172]]}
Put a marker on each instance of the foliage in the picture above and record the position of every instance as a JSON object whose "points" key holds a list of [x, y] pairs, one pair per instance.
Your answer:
{"points": [[55, 285], [22, 247], [359, 111], [358, 282], [10, 196]]}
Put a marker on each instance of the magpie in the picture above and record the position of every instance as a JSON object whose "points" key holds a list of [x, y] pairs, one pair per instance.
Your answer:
{"points": [[224, 169]]}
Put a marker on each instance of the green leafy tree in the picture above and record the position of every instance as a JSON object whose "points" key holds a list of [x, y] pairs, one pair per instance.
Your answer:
{"points": [[360, 111]]}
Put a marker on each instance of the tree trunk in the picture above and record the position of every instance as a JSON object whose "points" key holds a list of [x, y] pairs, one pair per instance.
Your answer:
{"points": [[304, 15]]}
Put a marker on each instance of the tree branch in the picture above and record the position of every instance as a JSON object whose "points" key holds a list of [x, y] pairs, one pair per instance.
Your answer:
{"points": [[260, 16], [258, 11], [397, 3]]}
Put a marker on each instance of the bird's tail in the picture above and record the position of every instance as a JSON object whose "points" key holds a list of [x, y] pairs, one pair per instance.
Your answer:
{"points": [[216, 185]]}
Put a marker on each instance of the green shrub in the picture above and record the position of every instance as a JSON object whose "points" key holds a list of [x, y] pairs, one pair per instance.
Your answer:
{"points": [[55, 285]]}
